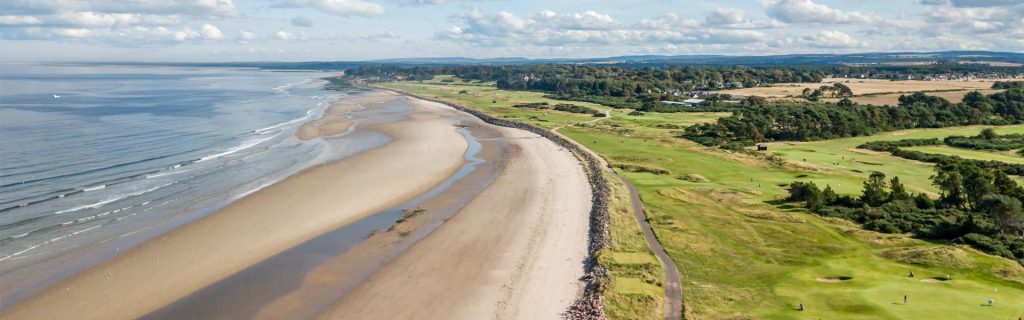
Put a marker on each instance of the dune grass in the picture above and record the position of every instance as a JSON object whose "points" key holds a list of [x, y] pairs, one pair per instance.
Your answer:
{"points": [[744, 254]]}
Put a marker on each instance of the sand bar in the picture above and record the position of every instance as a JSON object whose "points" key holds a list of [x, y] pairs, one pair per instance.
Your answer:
{"points": [[260, 225]]}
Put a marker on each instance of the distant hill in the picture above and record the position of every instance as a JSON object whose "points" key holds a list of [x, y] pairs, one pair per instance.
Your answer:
{"points": [[1003, 59]]}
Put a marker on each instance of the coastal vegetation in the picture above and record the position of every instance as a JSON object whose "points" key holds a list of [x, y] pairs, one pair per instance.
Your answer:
{"points": [[734, 213]]}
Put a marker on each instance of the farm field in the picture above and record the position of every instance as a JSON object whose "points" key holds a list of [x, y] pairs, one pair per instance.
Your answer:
{"points": [[741, 252], [892, 99], [875, 91]]}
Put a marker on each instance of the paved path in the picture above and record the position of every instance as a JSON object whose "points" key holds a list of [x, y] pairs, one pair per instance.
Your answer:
{"points": [[673, 287]]}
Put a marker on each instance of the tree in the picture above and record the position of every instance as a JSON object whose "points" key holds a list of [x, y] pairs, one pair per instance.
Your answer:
{"points": [[829, 195], [1005, 185], [874, 190], [989, 134], [899, 192], [842, 90], [814, 199], [1004, 210], [754, 101], [950, 184], [977, 182]]}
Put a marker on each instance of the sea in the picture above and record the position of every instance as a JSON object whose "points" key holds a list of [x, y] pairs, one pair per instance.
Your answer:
{"points": [[95, 159]]}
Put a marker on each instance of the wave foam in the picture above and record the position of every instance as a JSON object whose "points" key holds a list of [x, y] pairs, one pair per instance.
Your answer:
{"points": [[243, 146]]}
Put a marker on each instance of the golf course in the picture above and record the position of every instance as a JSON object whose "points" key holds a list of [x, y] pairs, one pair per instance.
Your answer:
{"points": [[743, 253]]}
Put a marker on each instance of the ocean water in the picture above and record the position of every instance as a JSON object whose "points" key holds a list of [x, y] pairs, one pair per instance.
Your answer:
{"points": [[90, 155]]}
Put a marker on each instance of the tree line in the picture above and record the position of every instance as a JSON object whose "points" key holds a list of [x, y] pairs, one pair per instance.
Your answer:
{"points": [[814, 121], [978, 206]]}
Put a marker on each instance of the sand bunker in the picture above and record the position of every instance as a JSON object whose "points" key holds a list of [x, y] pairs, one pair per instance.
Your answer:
{"points": [[935, 279], [834, 279]]}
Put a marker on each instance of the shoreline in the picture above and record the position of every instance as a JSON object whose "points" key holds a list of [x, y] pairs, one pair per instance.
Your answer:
{"points": [[516, 251], [520, 246], [590, 303], [257, 226]]}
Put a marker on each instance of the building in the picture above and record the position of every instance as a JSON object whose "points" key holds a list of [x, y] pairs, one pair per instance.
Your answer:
{"points": [[686, 103]]}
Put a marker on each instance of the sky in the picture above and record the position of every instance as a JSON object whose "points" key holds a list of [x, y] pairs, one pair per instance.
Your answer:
{"points": [[308, 30]]}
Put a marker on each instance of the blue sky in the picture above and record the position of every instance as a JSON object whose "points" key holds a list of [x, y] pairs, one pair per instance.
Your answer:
{"points": [[300, 30]]}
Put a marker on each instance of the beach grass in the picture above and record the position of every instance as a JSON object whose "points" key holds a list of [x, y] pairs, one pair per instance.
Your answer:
{"points": [[744, 254]]}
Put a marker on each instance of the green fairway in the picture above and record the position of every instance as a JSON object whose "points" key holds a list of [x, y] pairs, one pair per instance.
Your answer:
{"points": [[742, 253], [499, 102], [1007, 157], [840, 157]]}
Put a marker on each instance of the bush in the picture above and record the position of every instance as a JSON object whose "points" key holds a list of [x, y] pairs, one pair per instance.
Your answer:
{"points": [[985, 243], [565, 107], [640, 168], [533, 105]]}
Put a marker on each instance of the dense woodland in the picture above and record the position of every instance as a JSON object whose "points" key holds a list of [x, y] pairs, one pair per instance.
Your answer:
{"points": [[980, 207], [812, 121]]}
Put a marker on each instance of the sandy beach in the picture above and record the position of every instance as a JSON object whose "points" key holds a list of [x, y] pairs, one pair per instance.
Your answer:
{"points": [[257, 226], [515, 252], [335, 121]]}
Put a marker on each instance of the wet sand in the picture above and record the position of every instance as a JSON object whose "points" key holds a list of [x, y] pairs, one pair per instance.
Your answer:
{"points": [[260, 225]]}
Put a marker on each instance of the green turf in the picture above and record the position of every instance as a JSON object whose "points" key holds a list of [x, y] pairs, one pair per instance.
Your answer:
{"points": [[840, 159], [970, 154], [741, 253]]}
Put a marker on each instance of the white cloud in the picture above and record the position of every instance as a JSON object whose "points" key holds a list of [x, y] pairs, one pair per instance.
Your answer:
{"points": [[384, 35], [344, 8], [196, 8], [245, 35], [833, 39], [19, 20], [72, 33], [806, 11], [284, 35], [117, 23], [105, 20], [725, 16], [548, 28], [985, 3], [302, 21], [210, 32]]}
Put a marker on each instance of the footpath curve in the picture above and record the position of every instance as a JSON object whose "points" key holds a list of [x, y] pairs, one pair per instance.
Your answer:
{"points": [[673, 283], [673, 287]]}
